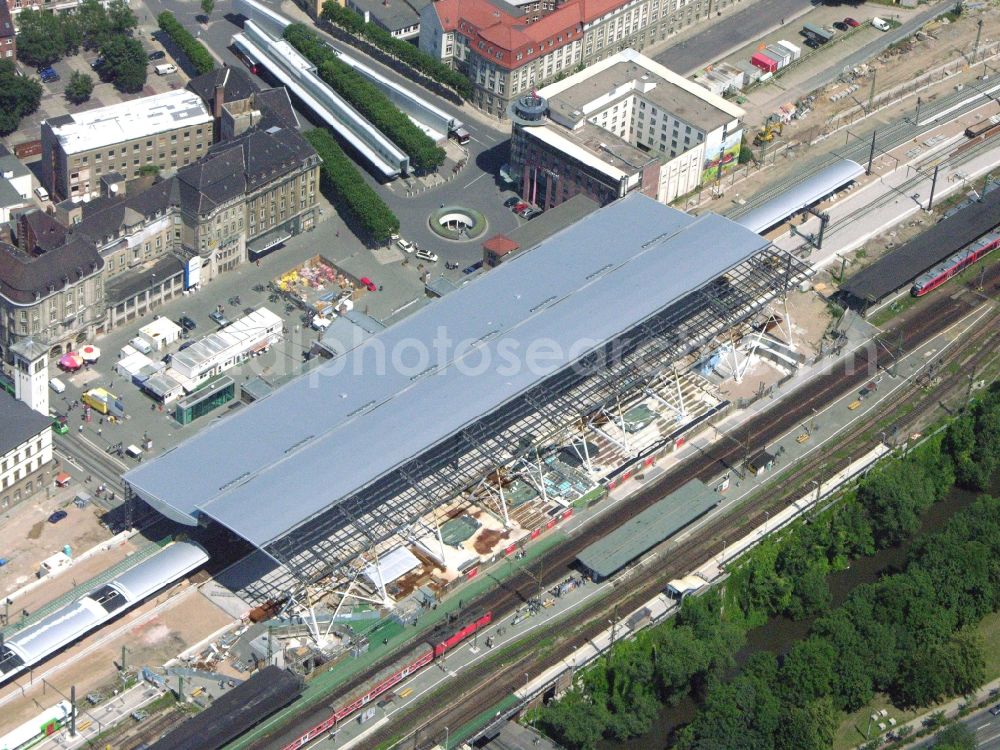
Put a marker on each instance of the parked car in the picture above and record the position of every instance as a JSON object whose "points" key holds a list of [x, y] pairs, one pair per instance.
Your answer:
{"points": [[811, 43], [405, 245], [524, 211], [98, 63], [42, 193], [852, 23], [511, 202], [427, 255], [995, 711], [219, 318], [840, 26], [531, 213], [187, 323], [520, 206], [473, 268], [165, 69], [58, 516], [48, 74], [185, 345], [157, 54], [368, 284]]}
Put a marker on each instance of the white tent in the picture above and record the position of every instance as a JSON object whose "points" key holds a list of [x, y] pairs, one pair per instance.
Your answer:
{"points": [[393, 565], [160, 333], [130, 365]]}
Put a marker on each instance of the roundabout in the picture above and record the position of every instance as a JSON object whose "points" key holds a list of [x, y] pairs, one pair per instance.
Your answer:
{"points": [[457, 223]]}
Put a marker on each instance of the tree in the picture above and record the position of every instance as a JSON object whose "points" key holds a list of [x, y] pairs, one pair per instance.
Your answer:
{"points": [[79, 87], [208, 6], [125, 63], [121, 19], [92, 21], [807, 671], [19, 96], [39, 37], [955, 737]]}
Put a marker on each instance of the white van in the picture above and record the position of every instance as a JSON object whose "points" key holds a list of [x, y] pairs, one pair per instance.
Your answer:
{"points": [[140, 344], [42, 193], [57, 385], [165, 69], [881, 25]]}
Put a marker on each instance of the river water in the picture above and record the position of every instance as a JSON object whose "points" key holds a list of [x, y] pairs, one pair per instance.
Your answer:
{"points": [[780, 633]]}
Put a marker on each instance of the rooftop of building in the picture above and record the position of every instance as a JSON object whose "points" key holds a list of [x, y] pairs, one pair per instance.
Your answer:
{"points": [[20, 423], [236, 84], [644, 531], [395, 15], [10, 166], [595, 147], [126, 121], [630, 73], [26, 278], [638, 255], [502, 28]]}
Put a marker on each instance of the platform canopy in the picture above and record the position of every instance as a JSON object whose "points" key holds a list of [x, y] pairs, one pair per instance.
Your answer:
{"points": [[794, 198], [383, 406]]}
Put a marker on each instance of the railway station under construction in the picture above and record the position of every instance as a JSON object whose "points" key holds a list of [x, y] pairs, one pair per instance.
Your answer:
{"points": [[442, 442]]}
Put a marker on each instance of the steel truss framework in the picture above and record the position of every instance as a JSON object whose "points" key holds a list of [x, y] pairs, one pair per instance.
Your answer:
{"points": [[325, 544]]}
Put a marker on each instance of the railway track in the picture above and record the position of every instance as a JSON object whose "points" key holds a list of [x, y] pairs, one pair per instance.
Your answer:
{"points": [[759, 431], [586, 625]]}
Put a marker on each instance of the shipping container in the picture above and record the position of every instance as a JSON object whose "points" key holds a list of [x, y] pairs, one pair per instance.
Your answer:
{"points": [[764, 62], [779, 54], [794, 49]]}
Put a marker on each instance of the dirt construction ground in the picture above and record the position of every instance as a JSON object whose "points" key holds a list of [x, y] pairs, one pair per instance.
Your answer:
{"points": [[28, 538], [152, 634]]}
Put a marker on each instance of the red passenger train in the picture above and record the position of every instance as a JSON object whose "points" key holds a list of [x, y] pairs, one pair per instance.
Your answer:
{"points": [[409, 664], [960, 260]]}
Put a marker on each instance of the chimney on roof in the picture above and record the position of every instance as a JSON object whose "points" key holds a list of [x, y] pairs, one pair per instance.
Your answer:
{"points": [[218, 100]]}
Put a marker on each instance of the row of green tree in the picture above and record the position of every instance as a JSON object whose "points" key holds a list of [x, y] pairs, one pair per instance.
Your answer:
{"points": [[194, 50], [907, 635], [347, 189], [398, 48], [45, 37], [365, 97]]}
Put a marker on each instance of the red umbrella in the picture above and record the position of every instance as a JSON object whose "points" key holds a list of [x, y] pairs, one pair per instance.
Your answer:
{"points": [[71, 361]]}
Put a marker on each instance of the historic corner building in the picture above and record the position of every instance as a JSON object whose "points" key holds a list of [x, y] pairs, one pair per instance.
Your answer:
{"points": [[139, 241], [625, 124], [509, 49]]}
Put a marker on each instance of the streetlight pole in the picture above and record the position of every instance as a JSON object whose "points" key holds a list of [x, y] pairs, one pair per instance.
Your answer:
{"points": [[446, 737]]}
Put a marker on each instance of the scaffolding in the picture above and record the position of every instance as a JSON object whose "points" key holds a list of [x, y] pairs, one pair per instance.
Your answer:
{"points": [[579, 394]]}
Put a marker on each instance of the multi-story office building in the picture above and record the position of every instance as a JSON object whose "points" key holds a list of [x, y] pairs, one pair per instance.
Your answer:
{"points": [[626, 123], [506, 52], [165, 131]]}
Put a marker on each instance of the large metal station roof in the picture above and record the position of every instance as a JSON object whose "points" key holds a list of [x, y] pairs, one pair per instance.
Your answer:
{"points": [[814, 187], [272, 466]]}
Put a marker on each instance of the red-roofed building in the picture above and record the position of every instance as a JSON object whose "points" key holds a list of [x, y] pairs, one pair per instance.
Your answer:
{"points": [[508, 49], [496, 248]]}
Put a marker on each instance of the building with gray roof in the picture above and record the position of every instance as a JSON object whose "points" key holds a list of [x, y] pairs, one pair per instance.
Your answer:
{"points": [[342, 465], [398, 17], [25, 451]]}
